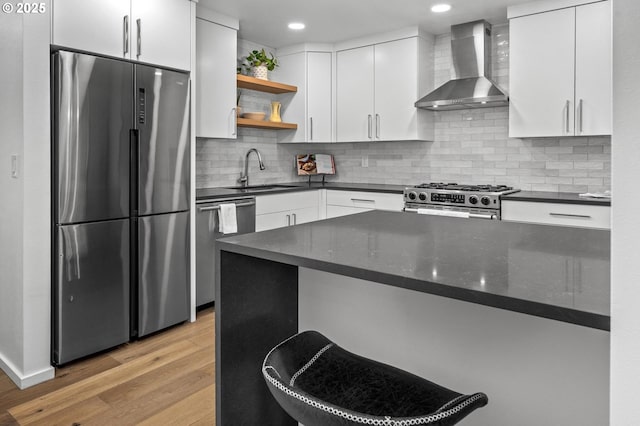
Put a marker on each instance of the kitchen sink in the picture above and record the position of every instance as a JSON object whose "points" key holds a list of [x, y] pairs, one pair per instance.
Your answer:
{"points": [[257, 188]]}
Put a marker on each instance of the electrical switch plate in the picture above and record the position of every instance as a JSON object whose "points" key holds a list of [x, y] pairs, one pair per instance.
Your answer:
{"points": [[14, 166], [365, 161]]}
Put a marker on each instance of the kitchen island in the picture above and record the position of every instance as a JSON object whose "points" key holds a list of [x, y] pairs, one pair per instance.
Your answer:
{"points": [[516, 310]]}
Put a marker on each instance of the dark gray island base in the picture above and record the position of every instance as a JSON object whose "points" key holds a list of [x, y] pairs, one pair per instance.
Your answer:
{"points": [[543, 271]]}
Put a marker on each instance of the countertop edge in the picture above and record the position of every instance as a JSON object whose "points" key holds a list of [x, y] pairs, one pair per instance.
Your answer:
{"points": [[555, 197], [528, 196], [568, 315]]}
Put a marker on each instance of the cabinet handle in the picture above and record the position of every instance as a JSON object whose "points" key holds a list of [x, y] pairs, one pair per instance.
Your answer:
{"points": [[288, 220], [125, 35], [310, 128], [566, 107], [139, 25], [582, 216], [234, 111], [377, 126], [580, 115], [295, 219], [364, 200], [369, 119]]}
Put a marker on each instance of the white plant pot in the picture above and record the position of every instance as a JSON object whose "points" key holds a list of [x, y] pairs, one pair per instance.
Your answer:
{"points": [[261, 72]]}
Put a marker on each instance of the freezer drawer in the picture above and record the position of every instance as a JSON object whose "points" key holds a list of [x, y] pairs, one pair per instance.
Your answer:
{"points": [[163, 271], [91, 289], [162, 121], [207, 232], [93, 115]]}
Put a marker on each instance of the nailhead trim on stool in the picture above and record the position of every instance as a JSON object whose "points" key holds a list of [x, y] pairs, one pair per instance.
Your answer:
{"points": [[320, 384]]}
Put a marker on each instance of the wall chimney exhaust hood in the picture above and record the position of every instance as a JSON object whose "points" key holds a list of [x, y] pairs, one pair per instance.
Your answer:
{"points": [[471, 86]]}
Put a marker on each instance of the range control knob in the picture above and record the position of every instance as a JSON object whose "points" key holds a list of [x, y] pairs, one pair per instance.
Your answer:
{"points": [[412, 195], [422, 196], [485, 200], [473, 199]]}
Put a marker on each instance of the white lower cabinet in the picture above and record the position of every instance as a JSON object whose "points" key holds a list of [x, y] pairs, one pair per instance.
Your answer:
{"points": [[342, 203], [280, 210], [580, 215]]}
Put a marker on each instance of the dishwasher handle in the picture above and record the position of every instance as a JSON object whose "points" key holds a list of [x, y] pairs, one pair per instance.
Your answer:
{"points": [[217, 206]]}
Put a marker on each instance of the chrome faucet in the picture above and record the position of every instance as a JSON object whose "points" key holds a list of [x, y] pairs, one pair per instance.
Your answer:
{"points": [[244, 178]]}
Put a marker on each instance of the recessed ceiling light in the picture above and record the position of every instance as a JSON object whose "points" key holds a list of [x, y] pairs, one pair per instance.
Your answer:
{"points": [[439, 8], [296, 26]]}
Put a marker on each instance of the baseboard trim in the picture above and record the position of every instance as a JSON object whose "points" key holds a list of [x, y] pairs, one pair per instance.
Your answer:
{"points": [[25, 381]]}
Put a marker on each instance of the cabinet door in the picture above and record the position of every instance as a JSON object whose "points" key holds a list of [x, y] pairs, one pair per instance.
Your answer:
{"points": [[581, 215], [593, 69], [396, 66], [319, 96], [216, 52], [354, 94], [268, 221], [161, 32], [305, 215], [336, 211], [542, 74], [92, 26]]}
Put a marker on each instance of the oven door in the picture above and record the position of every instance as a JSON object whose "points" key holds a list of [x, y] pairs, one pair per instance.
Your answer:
{"points": [[463, 212]]}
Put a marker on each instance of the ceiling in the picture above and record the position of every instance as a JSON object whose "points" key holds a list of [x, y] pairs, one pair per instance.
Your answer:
{"points": [[329, 21]]}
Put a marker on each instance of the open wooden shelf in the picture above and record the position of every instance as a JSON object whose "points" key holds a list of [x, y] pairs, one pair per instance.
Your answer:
{"points": [[262, 124], [252, 83]]}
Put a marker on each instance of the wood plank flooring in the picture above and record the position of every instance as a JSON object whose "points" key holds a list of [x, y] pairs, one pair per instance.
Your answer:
{"points": [[165, 379]]}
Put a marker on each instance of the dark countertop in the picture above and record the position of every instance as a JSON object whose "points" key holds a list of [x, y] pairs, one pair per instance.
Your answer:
{"points": [[218, 192], [554, 272], [555, 197], [532, 196]]}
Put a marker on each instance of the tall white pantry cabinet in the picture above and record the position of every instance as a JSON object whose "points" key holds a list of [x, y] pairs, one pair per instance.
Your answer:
{"points": [[560, 70]]}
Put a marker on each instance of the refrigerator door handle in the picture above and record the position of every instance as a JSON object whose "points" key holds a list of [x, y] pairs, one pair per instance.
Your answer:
{"points": [[134, 143], [139, 25]]}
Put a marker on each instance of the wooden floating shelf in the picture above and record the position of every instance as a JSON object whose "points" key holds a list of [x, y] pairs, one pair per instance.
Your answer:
{"points": [[252, 83], [261, 124]]}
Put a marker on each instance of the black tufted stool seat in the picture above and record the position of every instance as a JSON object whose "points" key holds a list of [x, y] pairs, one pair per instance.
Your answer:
{"points": [[320, 384]]}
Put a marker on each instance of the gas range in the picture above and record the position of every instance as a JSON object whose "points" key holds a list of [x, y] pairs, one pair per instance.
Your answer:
{"points": [[452, 199]]}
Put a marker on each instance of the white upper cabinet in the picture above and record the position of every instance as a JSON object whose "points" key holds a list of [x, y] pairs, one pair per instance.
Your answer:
{"points": [[377, 87], [593, 69], [162, 32], [153, 31], [354, 94], [310, 107], [99, 27], [560, 72], [216, 53]]}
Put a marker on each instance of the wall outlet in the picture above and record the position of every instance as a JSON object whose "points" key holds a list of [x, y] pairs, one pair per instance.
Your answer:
{"points": [[365, 161]]}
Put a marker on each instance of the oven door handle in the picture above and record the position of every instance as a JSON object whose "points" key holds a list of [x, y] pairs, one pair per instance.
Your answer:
{"points": [[435, 212]]}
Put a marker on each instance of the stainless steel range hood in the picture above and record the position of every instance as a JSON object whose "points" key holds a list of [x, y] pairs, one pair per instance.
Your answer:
{"points": [[471, 86]]}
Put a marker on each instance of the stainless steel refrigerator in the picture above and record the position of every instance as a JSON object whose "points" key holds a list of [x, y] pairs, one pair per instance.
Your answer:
{"points": [[120, 202]]}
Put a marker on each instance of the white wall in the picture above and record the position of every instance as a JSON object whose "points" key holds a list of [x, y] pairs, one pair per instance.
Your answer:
{"points": [[12, 192], [625, 292], [25, 252]]}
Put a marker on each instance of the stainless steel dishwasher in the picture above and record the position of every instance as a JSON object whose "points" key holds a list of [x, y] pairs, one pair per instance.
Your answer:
{"points": [[207, 232]]}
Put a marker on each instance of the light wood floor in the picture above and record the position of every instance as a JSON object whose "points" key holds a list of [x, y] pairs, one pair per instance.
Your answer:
{"points": [[165, 379]]}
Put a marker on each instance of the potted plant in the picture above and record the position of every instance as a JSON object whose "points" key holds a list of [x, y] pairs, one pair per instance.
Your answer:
{"points": [[261, 63]]}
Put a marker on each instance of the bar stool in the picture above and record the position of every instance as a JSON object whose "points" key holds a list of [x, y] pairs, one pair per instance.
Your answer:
{"points": [[320, 384]]}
